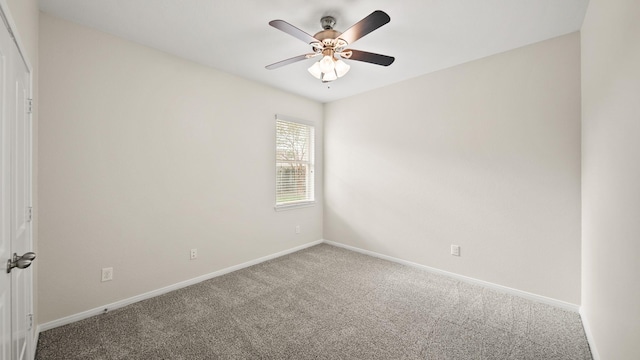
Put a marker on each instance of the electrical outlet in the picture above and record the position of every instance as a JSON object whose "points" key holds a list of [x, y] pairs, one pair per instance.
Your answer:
{"points": [[107, 274], [297, 229], [455, 250], [194, 254]]}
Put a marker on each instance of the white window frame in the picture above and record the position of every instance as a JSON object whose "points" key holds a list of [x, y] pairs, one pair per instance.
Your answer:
{"points": [[310, 185]]}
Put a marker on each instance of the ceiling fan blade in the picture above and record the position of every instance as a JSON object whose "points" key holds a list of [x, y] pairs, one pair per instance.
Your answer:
{"points": [[293, 31], [372, 58], [289, 61], [375, 20]]}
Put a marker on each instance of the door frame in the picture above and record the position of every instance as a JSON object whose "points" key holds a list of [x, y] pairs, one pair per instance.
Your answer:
{"points": [[7, 21]]}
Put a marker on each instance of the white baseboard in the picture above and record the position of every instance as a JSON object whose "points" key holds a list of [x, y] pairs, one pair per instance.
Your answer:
{"points": [[118, 304], [589, 334], [504, 289]]}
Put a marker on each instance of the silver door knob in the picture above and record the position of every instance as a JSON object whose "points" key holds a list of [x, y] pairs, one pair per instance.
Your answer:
{"points": [[21, 262], [29, 256]]}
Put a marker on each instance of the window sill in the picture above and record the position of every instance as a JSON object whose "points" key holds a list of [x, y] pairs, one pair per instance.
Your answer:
{"points": [[297, 205]]}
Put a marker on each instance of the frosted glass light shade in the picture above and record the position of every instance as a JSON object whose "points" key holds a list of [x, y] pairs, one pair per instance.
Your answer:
{"points": [[330, 76], [342, 68], [327, 64], [315, 70]]}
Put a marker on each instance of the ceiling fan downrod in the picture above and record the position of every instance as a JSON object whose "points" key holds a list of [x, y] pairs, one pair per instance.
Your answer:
{"points": [[328, 22]]}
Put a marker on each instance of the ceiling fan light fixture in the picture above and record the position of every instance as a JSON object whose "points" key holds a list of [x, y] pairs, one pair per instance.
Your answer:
{"points": [[315, 70], [327, 64], [342, 68], [330, 76]]}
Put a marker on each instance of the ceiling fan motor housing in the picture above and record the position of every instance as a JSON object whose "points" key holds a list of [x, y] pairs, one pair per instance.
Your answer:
{"points": [[327, 34]]}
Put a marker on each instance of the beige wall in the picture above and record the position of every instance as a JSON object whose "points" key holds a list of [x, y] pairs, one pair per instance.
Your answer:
{"points": [[25, 14], [144, 156], [485, 155], [611, 177]]}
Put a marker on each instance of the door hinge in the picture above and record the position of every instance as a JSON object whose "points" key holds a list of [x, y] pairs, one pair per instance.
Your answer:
{"points": [[30, 321], [29, 213], [29, 106]]}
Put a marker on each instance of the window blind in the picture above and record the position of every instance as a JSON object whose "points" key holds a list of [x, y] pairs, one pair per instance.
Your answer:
{"points": [[294, 163]]}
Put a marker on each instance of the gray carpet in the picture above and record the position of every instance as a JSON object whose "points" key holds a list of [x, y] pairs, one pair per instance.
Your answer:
{"points": [[325, 303]]}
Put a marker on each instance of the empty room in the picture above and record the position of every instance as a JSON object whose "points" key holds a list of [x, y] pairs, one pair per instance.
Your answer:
{"points": [[295, 179]]}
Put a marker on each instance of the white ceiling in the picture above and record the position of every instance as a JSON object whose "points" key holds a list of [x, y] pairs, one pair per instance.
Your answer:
{"points": [[234, 35]]}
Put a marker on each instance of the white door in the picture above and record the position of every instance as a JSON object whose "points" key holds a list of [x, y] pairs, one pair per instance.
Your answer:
{"points": [[15, 296], [21, 213], [5, 228]]}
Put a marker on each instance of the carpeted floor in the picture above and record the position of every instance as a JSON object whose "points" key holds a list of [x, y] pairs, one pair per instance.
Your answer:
{"points": [[325, 303]]}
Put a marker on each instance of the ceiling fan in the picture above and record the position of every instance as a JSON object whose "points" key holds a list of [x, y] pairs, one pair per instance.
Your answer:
{"points": [[332, 45]]}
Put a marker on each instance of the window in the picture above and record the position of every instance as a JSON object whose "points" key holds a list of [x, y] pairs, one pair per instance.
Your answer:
{"points": [[294, 163]]}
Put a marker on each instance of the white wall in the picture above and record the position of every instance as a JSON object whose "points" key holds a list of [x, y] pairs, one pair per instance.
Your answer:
{"points": [[485, 155], [144, 156], [611, 177]]}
